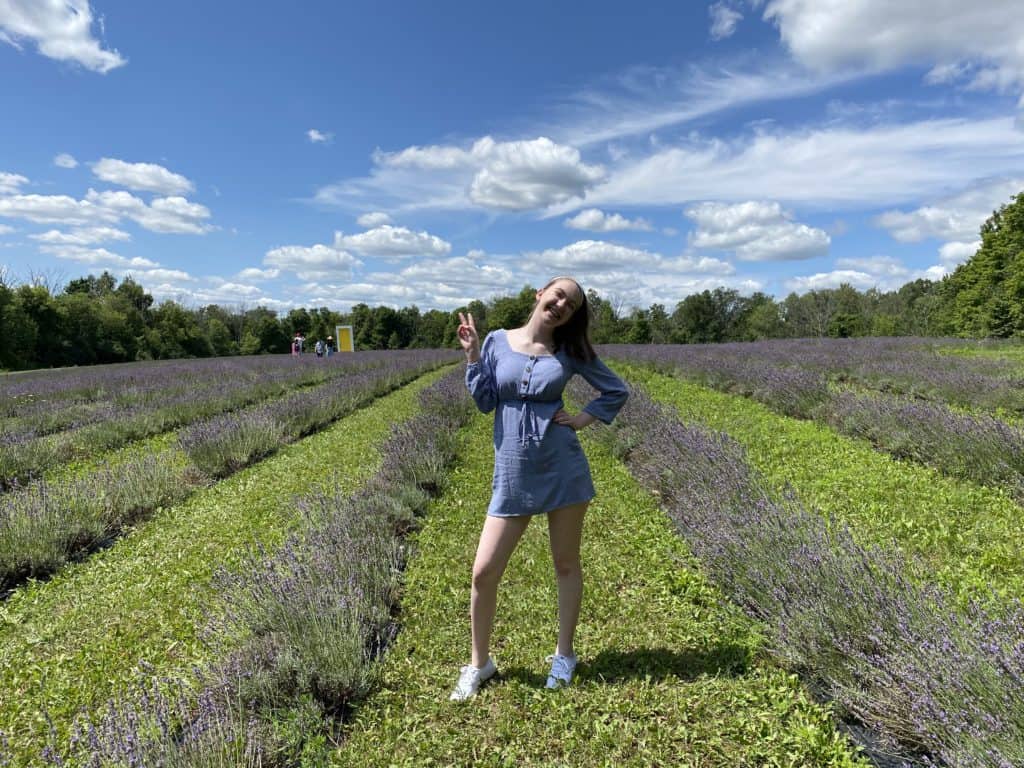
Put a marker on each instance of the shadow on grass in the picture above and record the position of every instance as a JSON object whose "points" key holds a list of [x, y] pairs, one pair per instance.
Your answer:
{"points": [[610, 666]]}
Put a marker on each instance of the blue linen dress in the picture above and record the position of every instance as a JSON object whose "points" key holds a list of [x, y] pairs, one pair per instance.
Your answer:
{"points": [[539, 465]]}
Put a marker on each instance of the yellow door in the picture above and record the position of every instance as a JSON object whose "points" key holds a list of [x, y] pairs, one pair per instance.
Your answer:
{"points": [[346, 342]]}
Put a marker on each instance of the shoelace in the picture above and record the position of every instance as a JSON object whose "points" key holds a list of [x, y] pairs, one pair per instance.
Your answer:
{"points": [[561, 667], [467, 676]]}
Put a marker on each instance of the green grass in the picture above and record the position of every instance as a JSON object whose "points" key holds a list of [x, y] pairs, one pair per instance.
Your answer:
{"points": [[77, 639], [669, 675], [966, 535]]}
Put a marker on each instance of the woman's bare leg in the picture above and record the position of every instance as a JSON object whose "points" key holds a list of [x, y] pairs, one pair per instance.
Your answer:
{"points": [[497, 542], [565, 528]]}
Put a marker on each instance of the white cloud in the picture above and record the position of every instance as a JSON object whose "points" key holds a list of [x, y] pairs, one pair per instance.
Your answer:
{"points": [[596, 220], [755, 231], [882, 272], [96, 256], [163, 274], [386, 292], [431, 158], [147, 177], [5, 230], [238, 290], [165, 214], [821, 167], [371, 220], [877, 265], [61, 29], [388, 240], [723, 20], [976, 42], [318, 137], [64, 160], [315, 262], [957, 218], [952, 254], [510, 176], [9, 183], [54, 209], [81, 236], [642, 100], [521, 175], [597, 255], [253, 273], [821, 280]]}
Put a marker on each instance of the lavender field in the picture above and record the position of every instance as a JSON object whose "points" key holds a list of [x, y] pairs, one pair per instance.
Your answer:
{"points": [[814, 547]]}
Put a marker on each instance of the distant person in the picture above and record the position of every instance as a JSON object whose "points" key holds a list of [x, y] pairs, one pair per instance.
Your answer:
{"points": [[319, 348], [302, 341], [539, 466], [328, 347]]}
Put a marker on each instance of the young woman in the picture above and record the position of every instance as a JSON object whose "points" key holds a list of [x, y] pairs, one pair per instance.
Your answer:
{"points": [[539, 466]]}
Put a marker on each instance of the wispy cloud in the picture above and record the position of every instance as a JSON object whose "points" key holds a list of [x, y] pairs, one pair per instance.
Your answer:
{"points": [[319, 137], [60, 30], [833, 166]]}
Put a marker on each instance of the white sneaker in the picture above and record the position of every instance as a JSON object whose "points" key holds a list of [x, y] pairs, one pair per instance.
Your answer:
{"points": [[470, 678], [562, 668]]}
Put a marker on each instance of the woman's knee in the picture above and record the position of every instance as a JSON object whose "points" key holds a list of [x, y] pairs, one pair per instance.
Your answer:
{"points": [[486, 574], [567, 567]]}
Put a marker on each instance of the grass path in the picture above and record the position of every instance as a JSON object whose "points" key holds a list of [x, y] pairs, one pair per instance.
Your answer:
{"points": [[75, 640], [669, 674], [967, 535]]}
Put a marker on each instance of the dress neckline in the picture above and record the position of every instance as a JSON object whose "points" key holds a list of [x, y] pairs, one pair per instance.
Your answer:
{"points": [[508, 344]]}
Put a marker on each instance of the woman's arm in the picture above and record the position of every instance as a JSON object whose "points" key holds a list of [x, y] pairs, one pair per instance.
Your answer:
{"points": [[612, 390], [613, 395], [480, 376]]}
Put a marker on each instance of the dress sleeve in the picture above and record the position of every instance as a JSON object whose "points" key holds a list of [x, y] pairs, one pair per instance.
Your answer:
{"points": [[480, 380], [612, 389]]}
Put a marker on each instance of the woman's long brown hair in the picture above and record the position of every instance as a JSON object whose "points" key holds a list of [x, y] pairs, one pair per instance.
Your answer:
{"points": [[574, 336]]}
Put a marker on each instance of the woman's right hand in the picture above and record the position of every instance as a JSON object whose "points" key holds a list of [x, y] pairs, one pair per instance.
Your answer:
{"points": [[468, 337]]}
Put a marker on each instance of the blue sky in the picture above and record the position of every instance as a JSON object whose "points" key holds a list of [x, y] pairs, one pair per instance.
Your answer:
{"points": [[410, 153]]}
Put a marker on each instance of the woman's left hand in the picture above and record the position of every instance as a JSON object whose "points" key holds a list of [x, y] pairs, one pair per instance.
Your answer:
{"points": [[576, 423]]}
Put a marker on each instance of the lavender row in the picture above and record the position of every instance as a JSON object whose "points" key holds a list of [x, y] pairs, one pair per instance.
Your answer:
{"points": [[976, 447], [27, 454], [45, 525], [315, 615], [41, 401], [973, 446], [225, 443], [107, 381], [934, 684], [908, 366]]}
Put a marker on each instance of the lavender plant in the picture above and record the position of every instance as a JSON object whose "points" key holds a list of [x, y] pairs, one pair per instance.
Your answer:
{"points": [[44, 525], [315, 614], [977, 447], [52, 416], [939, 685], [974, 446]]}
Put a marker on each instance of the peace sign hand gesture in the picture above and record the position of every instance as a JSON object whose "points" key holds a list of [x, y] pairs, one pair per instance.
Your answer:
{"points": [[468, 337]]}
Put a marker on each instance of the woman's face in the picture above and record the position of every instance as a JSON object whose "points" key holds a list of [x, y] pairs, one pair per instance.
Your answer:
{"points": [[558, 301]]}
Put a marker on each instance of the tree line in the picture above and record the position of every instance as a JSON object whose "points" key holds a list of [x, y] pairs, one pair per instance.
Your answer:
{"points": [[97, 319]]}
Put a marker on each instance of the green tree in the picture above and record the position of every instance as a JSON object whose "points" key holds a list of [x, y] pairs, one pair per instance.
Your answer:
{"points": [[986, 293], [511, 311], [604, 320]]}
